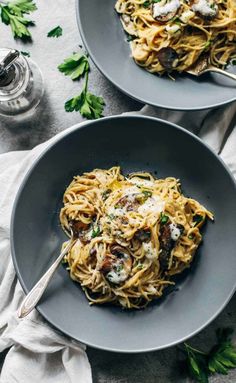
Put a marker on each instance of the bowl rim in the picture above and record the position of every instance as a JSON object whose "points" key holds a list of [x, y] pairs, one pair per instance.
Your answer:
{"points": [[130, 94], [53, 141]]}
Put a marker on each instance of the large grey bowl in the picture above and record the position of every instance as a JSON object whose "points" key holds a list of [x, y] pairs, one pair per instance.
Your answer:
{"points": [[136, 143], [105, 40]]}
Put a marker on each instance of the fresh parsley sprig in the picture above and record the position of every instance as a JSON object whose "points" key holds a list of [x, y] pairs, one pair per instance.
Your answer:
{"points": [[89, 105], [55, 32], [12, 13], [220, 358]]}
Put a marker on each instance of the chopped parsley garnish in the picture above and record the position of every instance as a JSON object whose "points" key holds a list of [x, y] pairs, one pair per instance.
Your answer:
{"points": [[197, 219], [130, 38], [140, 266], [55, 32], [119, 267], [111, 216], [106, 194], [147, 193], [96, 231], [164, 218], [208, 43], [25, 53], [190, 236], [12, 13], [147, 4]]}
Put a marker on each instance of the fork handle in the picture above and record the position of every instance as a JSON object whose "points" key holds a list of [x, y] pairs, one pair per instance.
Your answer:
{"points": [[32, 298], [221, 71]]}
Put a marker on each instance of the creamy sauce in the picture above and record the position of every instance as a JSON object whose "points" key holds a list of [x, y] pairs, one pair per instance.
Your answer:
{"points": [[150, 251], [131, 190], [175, 232], [117, 212], [203, 7], [117, 277], [153, 204], [163, 8], [152, 289], [140, 182]]}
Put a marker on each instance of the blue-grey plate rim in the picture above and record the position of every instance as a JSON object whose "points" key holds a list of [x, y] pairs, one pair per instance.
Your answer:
{"points": [[79, 126]]}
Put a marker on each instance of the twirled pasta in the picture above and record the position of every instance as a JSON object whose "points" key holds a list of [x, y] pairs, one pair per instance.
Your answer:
{"points": [[133, 233], [188, 33]]}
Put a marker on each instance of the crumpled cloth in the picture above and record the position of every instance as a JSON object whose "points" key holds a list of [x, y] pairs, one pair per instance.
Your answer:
{"points": [[37, 352]]}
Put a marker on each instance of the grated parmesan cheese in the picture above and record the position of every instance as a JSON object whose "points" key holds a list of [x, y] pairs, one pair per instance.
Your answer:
{"points": [[204, 7], [160, 9]]}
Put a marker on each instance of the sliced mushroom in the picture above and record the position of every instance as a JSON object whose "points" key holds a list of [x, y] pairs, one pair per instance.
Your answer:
{"points": [[143, 235], [169, 234], [130, 202], [117, 265], [168, 58], [207, 9], [128, 25], [165, 10], [80, 230]]}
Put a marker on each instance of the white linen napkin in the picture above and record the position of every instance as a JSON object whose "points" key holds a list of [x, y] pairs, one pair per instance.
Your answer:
{"points": [[38, 352]]}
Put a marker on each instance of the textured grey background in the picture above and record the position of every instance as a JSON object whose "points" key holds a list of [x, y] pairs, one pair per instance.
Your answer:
{"points": [[49, 119]]}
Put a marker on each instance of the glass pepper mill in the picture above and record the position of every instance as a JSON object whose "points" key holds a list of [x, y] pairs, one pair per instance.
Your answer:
{"points": [[21, 84]]}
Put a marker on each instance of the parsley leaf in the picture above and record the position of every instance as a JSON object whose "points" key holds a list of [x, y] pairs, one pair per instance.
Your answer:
{"points": [[96, 231], [55, 32], [130, 38], [13, 14], [89, 105], [24, 53], [147, 3], [223, 355], [164, 218], [197, 219], [147, 193], [75, 66], [219, 359]]}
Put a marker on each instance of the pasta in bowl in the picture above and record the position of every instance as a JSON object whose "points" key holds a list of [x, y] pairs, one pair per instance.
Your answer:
{"points": [[133, 234], [171, 35]]}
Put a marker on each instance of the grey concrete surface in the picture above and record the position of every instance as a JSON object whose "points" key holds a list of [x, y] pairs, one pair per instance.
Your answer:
{"points": [[50, 118]]}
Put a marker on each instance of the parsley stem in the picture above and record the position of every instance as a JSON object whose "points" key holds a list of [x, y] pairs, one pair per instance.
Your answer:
{"points": [[86, 82], [188, 347]]}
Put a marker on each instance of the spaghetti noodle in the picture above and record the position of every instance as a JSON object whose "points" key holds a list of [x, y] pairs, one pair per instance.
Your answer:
{"points": [[132, 234], [172, 35]]}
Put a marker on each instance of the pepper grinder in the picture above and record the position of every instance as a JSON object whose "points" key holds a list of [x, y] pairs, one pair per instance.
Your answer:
{"points": [[21, 84]]}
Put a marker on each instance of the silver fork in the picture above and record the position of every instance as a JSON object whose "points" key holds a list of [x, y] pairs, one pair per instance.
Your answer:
{"points": [[202, 67], [33, 297]]}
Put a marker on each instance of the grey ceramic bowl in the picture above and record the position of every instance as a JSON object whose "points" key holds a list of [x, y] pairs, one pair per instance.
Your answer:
{"points": [[135, 143], [106, 42]]}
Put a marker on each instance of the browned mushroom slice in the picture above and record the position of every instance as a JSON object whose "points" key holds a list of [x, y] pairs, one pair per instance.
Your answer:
{"points": [[169, 234], [143, 235], [116, 266], [168, 58], [80, 230], [165, 10], [207, 9]]}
